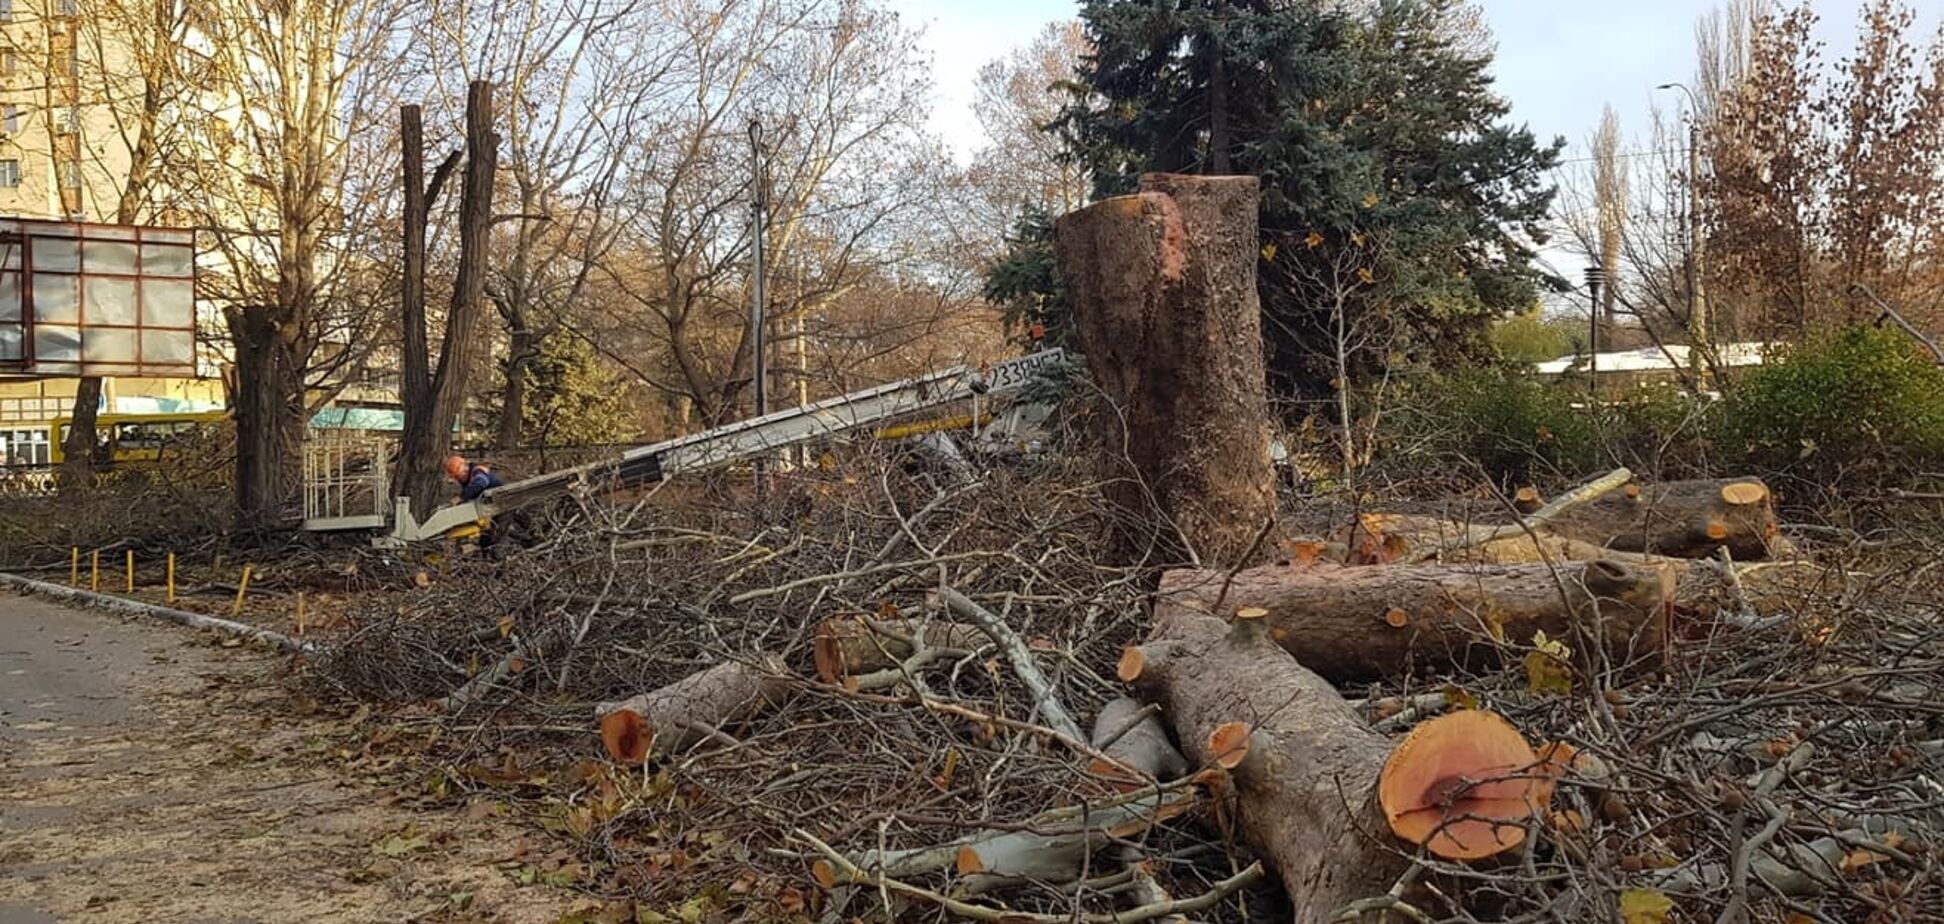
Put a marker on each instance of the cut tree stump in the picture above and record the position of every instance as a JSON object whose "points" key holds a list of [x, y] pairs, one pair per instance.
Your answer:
{"points": [[1304, 766], [695, 707], [1162, 285], [1688, 519], [1354, 624]]}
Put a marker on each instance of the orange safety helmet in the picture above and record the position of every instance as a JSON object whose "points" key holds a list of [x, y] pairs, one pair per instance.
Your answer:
{"points": [[455, 467]]}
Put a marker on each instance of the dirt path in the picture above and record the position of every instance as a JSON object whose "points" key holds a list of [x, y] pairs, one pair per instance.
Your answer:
{"points": [[147, 774]]}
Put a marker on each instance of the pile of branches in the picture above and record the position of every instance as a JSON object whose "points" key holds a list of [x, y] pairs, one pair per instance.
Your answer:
{"points": [[892, 691], [928, 735]]}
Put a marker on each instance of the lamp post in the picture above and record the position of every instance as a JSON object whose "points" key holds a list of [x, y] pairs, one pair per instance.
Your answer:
{"points": [[1595, 277], [1697, 296]]}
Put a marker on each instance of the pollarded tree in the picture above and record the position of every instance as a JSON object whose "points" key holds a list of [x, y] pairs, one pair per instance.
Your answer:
{"points": [[1371, 124]]}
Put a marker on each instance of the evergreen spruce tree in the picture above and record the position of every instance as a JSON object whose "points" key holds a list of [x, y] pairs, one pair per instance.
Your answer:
{"points": [[1392, 183]]}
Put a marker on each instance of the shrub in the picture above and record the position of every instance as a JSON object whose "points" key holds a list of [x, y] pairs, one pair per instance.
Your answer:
{"points": [[1859, 407], [1519, 429]]}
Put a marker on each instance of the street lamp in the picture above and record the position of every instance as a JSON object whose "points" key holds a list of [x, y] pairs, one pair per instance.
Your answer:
{"points": [[1595, 277], [1697, 297]]}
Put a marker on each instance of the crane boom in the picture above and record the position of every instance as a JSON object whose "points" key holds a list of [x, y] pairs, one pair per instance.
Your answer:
{"points": [[725, 445]]}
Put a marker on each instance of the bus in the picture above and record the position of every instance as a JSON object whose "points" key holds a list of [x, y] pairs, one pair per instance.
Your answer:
{"points": [[135, 438]]}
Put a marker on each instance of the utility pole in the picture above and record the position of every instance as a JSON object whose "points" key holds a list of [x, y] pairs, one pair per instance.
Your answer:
{"points": [[759, 234], [758, 299], [1697, 294]]}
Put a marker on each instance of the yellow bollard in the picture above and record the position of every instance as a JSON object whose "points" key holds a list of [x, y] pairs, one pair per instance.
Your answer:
{"points": [[300, 614], [74, 566], [94, 571], [242, 587], [172, 579], [130, 586]]}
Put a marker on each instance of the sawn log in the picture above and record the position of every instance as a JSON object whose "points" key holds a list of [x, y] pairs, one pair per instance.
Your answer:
{"points": [[1353, 624], [671, 718], [1688, 519], [1304, 766]]}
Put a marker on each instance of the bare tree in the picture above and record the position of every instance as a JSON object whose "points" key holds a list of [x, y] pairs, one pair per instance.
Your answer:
{"points": [[836, 89], [288, 102], [433, 395], [1610, 205], [1017, 99]]}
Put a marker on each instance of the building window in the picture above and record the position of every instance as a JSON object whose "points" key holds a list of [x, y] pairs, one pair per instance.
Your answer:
{"points": [[10, 118], [9, 62], [9, 173], [67, 120], [68, 7], [6, 10], [71, 175]]}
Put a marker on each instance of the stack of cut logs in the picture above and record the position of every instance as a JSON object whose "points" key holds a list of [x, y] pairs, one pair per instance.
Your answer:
{"points": [[1235, 690], [1600, 569]]}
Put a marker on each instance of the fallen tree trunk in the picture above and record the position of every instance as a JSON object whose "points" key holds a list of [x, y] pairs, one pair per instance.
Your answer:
{"points": [[1688, 519], [1353, 624], [1706, 586], [695, 707], [1304, 767], [1381, 538]]}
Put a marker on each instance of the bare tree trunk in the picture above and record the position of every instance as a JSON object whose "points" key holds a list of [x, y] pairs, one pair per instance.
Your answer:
{"points": [[78, 445], [434, 397], [269, 408], [520, 353]]}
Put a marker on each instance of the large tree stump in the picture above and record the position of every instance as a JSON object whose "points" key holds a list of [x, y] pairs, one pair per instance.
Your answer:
{"points": [[1162, 285], [1352, 624], [1689, 519], [1305, 767]]}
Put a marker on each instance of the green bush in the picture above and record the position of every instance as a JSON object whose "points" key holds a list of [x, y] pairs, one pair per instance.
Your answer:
{"points": [[1856, 408], [1518, 429], [1532, 338]]}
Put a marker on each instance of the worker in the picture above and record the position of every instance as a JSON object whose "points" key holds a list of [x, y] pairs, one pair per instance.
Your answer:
{"points": [[473, 480]]}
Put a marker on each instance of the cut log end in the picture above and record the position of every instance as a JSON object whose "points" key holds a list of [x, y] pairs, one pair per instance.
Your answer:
{"points": [[1130, 665], [626, 737], [1527, 500], [968, 861], [824, 874], [1396, 618], [1716, 530], [828, 651], [1743, 493], [1463, 785], [1229, 742]]}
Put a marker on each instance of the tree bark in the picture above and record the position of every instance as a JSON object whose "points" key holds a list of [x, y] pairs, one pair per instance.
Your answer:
{"points": [[78, 446], [846, 646], [434, 396], [1305, 788], [671, 718], [1162, 285], [1139, 741], [1688, 519], [1354, 624], [268, 406]]}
